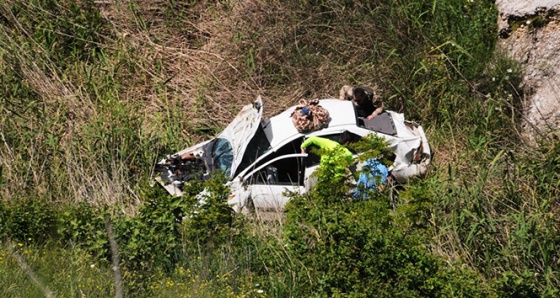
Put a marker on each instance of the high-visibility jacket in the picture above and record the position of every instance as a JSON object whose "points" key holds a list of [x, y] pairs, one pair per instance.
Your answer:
{"points": [[332, 153]]}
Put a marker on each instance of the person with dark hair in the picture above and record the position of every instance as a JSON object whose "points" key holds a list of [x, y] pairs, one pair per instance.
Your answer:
{"points": [[367, 103], [347, 137]]}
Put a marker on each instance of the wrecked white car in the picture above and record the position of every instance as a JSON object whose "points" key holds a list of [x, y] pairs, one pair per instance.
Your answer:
{"points": [[263, 159]]}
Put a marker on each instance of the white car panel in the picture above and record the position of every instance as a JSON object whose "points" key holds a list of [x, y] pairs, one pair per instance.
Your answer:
{"points": [[271, 197], [242, 129]]}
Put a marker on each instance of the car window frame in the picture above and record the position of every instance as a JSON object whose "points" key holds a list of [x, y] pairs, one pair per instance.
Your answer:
{"points": [[247, 177]]}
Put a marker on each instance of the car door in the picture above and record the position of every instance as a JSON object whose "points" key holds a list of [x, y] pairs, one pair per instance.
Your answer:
{"points": [[269, 184], [241, 130]]}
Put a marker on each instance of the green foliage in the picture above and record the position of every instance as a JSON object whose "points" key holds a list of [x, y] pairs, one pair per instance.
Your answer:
{"points": [[90, 101], [28, 220], [415, 204], [81, 273], [372, 146], [514, 285], [65, 30], [363, 248], [358, 248], [460, 282], [210, 221], [151, 238], [83, 226], [155, 239]]}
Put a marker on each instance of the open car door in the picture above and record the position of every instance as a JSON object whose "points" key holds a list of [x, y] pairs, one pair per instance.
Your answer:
{"points": [[241, 130], [267, 185]]}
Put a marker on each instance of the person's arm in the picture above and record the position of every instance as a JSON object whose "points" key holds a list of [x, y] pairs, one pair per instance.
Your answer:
{"points": [[306, 143], [345, 92], [378, 110], [319, 142]]}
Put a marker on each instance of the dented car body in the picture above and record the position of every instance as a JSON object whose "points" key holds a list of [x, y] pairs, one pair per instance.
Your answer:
{"points": [[263, 161]]}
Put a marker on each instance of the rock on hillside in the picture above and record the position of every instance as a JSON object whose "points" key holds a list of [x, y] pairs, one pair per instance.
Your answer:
{"points": [[530, 33]]}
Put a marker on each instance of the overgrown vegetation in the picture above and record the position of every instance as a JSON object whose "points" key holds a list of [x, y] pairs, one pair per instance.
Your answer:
{"points": [[93, 93]]}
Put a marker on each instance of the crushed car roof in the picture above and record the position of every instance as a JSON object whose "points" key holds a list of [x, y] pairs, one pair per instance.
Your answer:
{"points": [[341, 114]]}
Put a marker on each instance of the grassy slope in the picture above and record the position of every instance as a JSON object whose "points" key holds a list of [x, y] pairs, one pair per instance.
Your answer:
{"points": [[108, 92], [91, 99]]}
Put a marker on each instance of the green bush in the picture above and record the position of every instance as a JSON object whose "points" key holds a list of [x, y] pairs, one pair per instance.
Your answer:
{"points": [[83, 226], [210, 222], [167, 230], [29, 220], [515, 285], [364, 248], [170, 230], [150, 239]]}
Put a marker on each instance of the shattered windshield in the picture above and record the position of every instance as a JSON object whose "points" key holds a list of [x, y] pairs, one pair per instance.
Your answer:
{"points": [[222, 156]]}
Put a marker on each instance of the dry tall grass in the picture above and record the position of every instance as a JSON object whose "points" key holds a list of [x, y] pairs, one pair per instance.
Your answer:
{"points": [[180, 68]]}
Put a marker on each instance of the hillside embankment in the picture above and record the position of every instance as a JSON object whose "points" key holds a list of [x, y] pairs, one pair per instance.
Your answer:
{"points": [[530, 34], [94, 93]]}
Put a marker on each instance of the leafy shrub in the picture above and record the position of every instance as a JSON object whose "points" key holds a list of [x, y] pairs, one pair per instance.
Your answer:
{"points": [[210, 221], [151, 238], [514, 285], [363, 248], [29, 220], [83, 226]]}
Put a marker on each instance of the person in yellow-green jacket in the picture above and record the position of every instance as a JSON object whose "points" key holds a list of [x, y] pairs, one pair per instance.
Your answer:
{"points": [[331, 152]]}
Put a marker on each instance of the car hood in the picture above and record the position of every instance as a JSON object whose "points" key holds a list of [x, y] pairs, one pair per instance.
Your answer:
{"points": [[242, 129]]}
